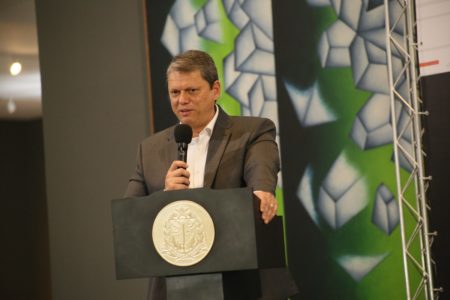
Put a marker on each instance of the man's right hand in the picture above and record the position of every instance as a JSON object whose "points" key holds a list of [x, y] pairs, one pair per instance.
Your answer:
{"points": [[177, 177]]}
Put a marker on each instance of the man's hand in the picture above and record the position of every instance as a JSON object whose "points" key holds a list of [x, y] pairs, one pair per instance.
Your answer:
{"points": [[177, 177], [268, 205]]}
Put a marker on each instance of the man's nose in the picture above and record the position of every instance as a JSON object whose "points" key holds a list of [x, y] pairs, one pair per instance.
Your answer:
{"points": [[184, 97]]}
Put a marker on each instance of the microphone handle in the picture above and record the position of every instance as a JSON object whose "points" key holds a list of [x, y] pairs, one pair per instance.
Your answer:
{"points": [[182, 151]]}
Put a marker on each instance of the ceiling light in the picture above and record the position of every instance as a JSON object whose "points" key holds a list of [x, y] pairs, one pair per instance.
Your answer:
{"points": [[15, 69]]}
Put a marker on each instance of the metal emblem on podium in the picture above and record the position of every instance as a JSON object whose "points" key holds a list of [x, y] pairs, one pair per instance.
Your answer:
{"points": [[183, 233]]}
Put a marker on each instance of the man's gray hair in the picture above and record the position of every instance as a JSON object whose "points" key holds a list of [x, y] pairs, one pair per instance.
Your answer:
{"points": [[193, 60]]}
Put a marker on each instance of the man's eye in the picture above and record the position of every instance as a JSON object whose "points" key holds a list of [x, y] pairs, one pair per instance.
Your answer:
{"points": [[174, 93], [193, 91]]}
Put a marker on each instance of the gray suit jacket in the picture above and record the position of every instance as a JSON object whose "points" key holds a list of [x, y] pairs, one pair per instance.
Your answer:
{"points": [[242, 152]]}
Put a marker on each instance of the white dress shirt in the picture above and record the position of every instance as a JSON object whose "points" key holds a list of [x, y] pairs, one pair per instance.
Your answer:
{"points": [[197, 152]]}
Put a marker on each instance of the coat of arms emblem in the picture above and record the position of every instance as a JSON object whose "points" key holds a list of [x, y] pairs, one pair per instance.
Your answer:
{"points": [[183, 233]]}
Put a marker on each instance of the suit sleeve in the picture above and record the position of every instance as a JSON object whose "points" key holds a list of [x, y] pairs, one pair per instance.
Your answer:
{"points": [[262, 161], [136, 184]]}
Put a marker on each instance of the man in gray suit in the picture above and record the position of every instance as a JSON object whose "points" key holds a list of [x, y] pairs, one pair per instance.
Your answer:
{"points": [[226, 152]]}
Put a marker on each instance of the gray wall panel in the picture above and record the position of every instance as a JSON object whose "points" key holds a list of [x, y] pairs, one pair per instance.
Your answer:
{"points": [[95, 101]]}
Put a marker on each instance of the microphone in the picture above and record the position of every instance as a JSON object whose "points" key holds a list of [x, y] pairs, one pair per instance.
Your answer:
{"points": [[183, 136]]}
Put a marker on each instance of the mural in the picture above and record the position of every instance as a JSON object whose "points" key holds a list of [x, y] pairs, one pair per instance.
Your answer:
{"points": [[318, 69]]}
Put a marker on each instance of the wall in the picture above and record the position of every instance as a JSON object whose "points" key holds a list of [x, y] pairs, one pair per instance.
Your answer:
{"points": [[95, 99], [435, 95], [23, 220]]}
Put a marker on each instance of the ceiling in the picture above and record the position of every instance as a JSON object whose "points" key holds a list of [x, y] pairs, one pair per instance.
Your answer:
{"points": [[18, 42]]}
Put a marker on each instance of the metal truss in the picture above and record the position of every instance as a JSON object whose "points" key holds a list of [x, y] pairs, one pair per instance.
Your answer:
{"points": [[406, 114]]}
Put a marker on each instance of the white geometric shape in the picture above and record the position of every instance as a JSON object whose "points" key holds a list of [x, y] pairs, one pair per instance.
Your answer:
{"points": [[241, 87], [254, 51], [350, 12], [404, 122], [171, 36], [309, 105], [305, 194], [270, 111], [189, 39], [372, 125], [336, 4], [183, 13], [245, 111], [208, 22], [385, 210], [367, 73], [334, 45], [256, 97], [372, 25], [235, 13], [371, 19], [319, 3], [270, 87], [230, 74], [343, 193], [260, 13], [359, 266], [179, 32], [262, 90], [406, 160]]}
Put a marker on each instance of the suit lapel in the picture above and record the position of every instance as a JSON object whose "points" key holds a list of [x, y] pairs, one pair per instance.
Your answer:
{"points": [[217, 144]]}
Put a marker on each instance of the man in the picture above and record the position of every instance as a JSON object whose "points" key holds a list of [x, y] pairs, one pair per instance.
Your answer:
{"points": [[230, 152], [225, 152]]}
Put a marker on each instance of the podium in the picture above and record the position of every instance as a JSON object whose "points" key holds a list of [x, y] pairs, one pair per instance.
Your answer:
{"points": [[243, 245]]}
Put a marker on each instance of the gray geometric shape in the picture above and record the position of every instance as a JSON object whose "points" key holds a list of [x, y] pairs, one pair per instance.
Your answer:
{"points": [[405, 132], [305, 194], [385, 213], [262, 90], [372, 126], [238, 84], [406, 160], [254, 51], [189, 39], [270, 87], [374, 4], [404, 121], [372, 25], [256, 97], [179, 32], [183, 13], [371, 19], [359, 266], [235, 13], [395, 11], [343, 193], [230, 74], [334, 45], [319, 3], [368, 73], [270, 110], [207, 22], [171, 36], [260, 13], [349, 12], [309, 105]]}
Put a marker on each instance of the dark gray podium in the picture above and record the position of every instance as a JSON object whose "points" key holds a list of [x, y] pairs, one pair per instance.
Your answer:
{"points": [[243, 245]]}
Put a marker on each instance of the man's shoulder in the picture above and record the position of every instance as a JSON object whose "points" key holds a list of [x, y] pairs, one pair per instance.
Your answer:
{"points": [[250, 121], [158, 137]]}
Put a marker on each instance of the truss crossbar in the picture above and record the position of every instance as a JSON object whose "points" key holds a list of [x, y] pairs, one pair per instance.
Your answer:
{"points": [[408, 151]]}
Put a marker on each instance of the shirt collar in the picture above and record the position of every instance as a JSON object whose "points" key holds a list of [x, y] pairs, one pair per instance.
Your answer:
{"points": [[210, 127]]}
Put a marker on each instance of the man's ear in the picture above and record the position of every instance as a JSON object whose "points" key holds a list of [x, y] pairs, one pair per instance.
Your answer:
{"points": [[216, 89]]}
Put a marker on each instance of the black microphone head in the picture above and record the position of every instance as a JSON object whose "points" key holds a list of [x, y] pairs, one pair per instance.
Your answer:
{"points": [[183, 133]]}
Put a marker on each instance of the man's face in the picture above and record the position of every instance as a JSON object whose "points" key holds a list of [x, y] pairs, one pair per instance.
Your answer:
{"points": [[192, 99]]}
